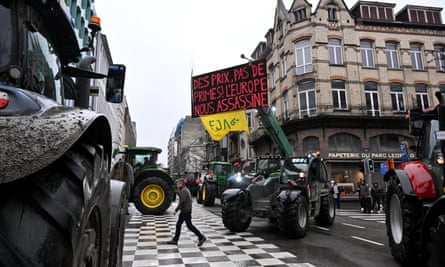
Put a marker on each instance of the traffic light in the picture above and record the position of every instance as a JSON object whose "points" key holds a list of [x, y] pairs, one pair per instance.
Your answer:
{"points": [[366, 165], [371, 165]]}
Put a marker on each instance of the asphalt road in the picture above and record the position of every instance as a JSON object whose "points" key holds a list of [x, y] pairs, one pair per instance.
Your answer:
{"points": [[354, 240]]}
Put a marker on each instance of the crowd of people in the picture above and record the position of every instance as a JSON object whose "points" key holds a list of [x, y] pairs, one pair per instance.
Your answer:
{"points": [[370, 197]]}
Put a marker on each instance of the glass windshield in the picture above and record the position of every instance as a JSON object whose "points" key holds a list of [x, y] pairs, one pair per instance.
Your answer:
{"points": [[432, 146], [270, 164], [223, 170], [431, 149], [294, 169], [45, 64], [5, 36], [145, 159]]}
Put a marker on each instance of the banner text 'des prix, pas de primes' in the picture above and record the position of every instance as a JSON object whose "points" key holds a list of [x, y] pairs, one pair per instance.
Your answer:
{"points": [[239, 87]]}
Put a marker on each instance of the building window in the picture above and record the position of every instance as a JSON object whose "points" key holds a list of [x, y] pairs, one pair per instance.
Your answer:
{"points": [[397, 98], [300, 14], [380, 13], [272, 77], [339, 94], [423, 16], [332, 13], [367, 53], [307, 99], [82, 26], [372, 99], [335, 55], [439, 56], [311, 144], [421, 96], [387, 143], [415, 50], [344, 142], [283, 66], [392, 55], [442, 88], [303, 56], [286, 105]]}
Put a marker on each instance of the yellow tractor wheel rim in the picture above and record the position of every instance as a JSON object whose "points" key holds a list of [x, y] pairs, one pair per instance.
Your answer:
{"points": [[152, 196], [204, 189]]}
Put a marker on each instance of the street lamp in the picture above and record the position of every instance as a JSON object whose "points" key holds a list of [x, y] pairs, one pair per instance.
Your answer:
{"points": [[246, 58]]}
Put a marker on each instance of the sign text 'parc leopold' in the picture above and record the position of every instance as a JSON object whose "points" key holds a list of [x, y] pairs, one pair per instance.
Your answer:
{"points": [[240, 87]]}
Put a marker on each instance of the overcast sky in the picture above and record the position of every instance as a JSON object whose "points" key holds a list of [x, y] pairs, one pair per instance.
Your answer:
{"points": [[162, 41]]}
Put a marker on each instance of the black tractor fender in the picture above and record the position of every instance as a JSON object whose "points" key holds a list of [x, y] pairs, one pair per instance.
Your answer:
{"points": [[153, 172], [231, 194], [402, 178], [288, 196], [34, 140]]}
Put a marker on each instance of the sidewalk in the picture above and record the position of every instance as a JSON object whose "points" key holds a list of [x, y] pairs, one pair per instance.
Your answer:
{"points": [[146, 237]]}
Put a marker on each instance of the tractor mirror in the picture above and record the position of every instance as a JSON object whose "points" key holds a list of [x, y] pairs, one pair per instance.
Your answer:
{"points": [[115, 83]]}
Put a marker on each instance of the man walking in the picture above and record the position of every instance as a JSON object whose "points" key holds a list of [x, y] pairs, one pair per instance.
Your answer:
{"points": [[185, 206]]}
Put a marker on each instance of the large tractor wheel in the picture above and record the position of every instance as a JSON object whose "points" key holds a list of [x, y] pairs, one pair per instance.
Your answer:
{"points": [[402, 216], [293, 217], [119, 207], [153, 195], [58, 216], [208, 194], [235, 218], [326, 216], [199, 194], [436, 243]]}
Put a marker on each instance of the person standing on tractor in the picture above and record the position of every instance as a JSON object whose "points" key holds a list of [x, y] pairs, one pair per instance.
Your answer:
{"points": [[185, 206]]}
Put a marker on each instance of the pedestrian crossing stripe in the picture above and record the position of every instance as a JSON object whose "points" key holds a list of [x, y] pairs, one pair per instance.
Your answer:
{"points": [[377, 217]]}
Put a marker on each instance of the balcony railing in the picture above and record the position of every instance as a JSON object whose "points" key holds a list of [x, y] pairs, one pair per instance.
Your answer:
{"points": [[358, 111]]}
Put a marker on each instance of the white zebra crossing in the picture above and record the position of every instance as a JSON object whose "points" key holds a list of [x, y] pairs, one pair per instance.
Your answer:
{"points": [[356, 214]]}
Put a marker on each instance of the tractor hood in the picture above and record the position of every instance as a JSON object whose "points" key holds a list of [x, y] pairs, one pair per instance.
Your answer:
{"points": [[33, 139]]}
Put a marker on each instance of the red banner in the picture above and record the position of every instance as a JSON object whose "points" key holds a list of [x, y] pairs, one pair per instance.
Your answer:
{"points": [[239, 87]]}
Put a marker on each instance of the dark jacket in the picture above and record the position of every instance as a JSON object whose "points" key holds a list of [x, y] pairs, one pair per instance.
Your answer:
{"points": [[185, 200]]}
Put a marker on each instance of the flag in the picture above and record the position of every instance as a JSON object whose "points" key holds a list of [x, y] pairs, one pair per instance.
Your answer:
{"points": [[220, 124]]}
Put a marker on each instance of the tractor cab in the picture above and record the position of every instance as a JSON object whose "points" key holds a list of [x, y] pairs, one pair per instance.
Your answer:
{"points": [[142, 158], [425, 126]]}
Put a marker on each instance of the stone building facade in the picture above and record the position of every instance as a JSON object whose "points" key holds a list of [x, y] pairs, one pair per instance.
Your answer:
{"points": [[187, 147], [342, 80]]}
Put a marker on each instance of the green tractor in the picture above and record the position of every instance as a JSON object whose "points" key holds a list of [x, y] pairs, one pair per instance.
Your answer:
{"points": [[152, 189], [289, 197], [215, 182]]}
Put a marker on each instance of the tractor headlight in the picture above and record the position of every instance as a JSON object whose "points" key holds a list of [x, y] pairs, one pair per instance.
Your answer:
{"points": [[440, 159]]}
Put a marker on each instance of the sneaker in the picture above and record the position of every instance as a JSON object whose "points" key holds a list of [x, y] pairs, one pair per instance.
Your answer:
{"points": [[172, 242], [201, 241]]}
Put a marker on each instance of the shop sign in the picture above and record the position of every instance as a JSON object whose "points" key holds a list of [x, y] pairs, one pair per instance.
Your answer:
{"points": [[362, 155]]}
